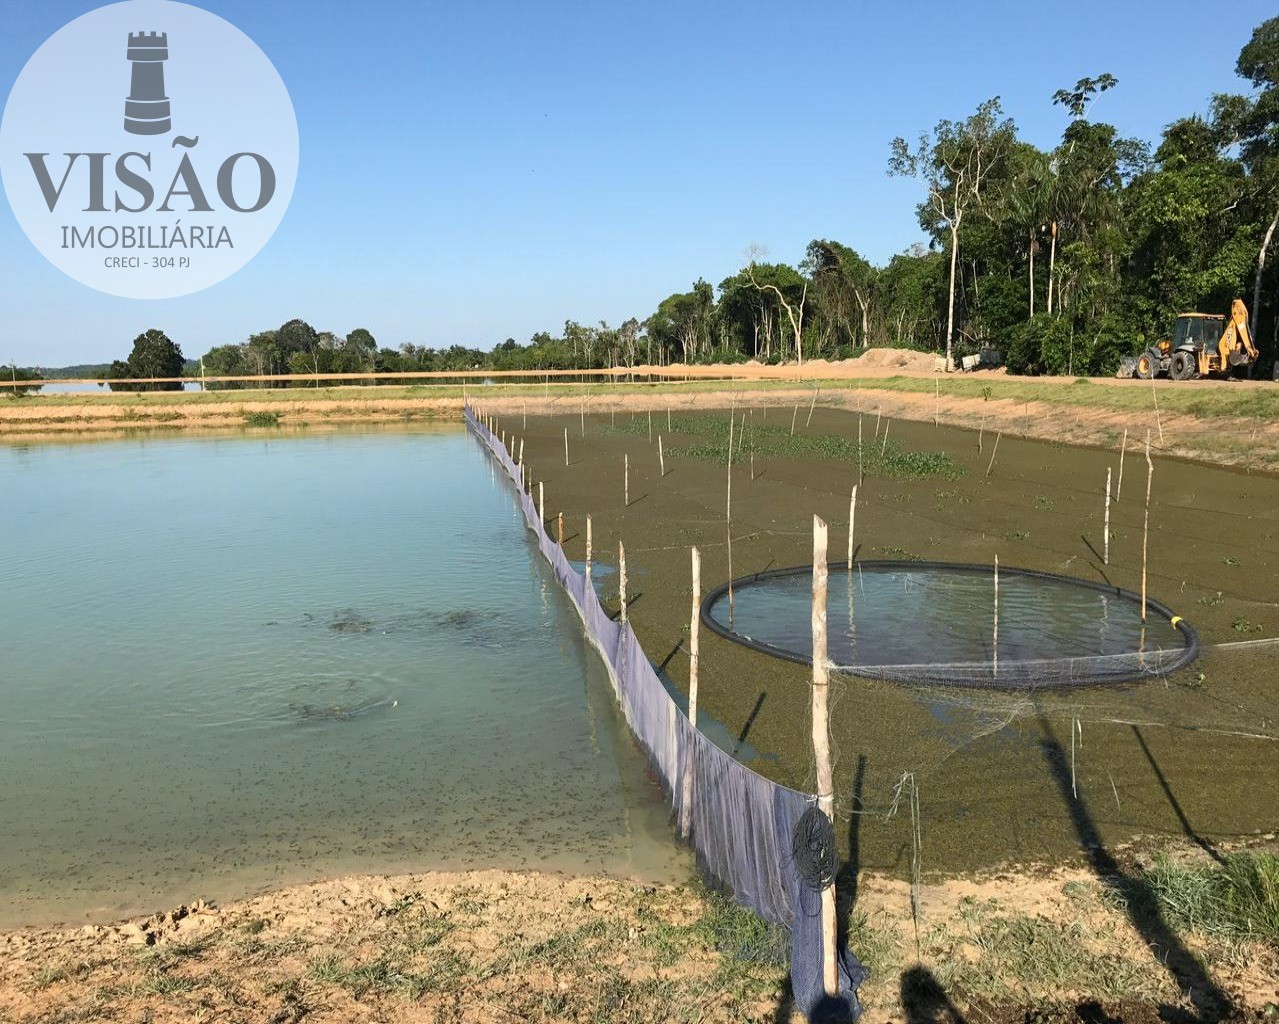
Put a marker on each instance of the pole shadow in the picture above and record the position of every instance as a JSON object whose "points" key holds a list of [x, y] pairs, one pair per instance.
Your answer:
{"points": [[1210, 1002], [847, 877], [750, 721], [1186, 827]]}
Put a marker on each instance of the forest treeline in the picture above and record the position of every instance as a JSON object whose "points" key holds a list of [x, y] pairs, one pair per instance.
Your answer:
{"points": [[1065, 259]]}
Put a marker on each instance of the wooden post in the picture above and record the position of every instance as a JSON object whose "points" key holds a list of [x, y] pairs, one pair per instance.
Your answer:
{"points": [[793, 418], [936, 400], [1158, 420], [852, 524], [559, 528], [811, 407], [621, 577], [526, 414], [994, 644], [686, 808], [582, 416], [650, 426], [884, 446], [668, 419], [993, 452], [728, 515], [588, 551], [661, 456], [1145, 529], [878, 415], [541, 504], [566, 446], [1105, 538], [981, 430], [821, 746], [1123, 448], [626, 481], [861, 466], [521, 458]]}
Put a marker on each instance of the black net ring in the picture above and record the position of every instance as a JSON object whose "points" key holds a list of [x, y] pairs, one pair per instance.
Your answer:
{"points": [[813, 849]]}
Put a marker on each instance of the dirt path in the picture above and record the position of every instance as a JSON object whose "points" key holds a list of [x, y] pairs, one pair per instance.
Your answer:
{"points": [[492, 947]]}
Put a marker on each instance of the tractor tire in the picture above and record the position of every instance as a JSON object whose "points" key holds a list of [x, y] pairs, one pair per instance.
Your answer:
{"points": [[1183, 366], [1147, 364]]}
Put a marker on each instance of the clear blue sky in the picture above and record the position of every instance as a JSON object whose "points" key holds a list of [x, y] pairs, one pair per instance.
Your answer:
{"points": [[476, 171]]}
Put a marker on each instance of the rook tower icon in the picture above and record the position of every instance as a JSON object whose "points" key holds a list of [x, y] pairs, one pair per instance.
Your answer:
{"points": [[146, 111]]}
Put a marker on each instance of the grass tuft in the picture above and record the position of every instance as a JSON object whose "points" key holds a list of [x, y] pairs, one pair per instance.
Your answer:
{"points": [[1235, 900]]}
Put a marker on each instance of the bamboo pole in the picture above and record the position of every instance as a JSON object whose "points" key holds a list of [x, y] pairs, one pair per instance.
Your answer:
{"points": [[588, 551], [884, 446], [861, 466], [661, 455], [1158, 419], [993, 452], [811, 407], [821, 746], [1105, 529], [621, 577], [852, 524], [994, 644], [626, 481], [686, 806], [1145, 529], [566, 446], [728, 516], [1123, 448]]}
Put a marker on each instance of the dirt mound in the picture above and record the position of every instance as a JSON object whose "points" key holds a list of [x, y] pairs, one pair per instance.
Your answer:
{"points": [[898, 358]]}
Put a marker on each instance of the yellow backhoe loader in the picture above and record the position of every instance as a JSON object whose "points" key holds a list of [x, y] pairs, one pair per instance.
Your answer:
{"points": [[1202, 345]]}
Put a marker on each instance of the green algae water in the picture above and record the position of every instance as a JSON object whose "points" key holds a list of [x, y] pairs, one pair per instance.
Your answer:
{"points": [[236, 663]]}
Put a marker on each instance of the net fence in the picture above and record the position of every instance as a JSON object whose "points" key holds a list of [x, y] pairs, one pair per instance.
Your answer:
{"points": [[742, 826]]}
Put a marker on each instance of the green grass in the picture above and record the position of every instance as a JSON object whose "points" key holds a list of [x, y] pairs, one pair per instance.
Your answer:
{"points": [[262, 419], [1235, 900]]}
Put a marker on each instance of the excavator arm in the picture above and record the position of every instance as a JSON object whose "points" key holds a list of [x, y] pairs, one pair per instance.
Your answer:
{"points": [[1236, 347]]}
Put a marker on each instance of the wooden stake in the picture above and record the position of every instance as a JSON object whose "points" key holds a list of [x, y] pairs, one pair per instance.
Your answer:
{"points": [[686, 810], [541, 503], [520, 460], [884, 446], [1158, 420], [811, 407], [668, 419], [993, 452], [861, 467], [526, 415], [566, 446], [1145, 529], [582, 416], [626, 481], [878, 415], [728, 517], [650, 426], [1123, 448], [794, 417], [661, 455], [994, 644], [1105, 542], [621, 577], [559, 528], [821, 746], [936, 399], [981, 430], [588, 552], [852, 523]]}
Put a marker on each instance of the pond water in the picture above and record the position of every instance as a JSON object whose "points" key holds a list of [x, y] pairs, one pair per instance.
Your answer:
{"points": [[237, 663], [930, 622]]}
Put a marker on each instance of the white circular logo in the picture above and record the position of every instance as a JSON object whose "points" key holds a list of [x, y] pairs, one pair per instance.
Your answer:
{"points": [[149, 149]]}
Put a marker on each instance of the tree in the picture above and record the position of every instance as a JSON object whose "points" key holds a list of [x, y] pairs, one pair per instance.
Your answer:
{"points": [[845, 285], [954, 162], [794, 306], [153, 355]]}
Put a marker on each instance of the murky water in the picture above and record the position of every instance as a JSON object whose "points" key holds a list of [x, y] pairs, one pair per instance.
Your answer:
{"points": [[889, 617], [237, 663]]}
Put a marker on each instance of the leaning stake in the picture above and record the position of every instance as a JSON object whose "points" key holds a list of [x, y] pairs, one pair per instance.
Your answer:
{"points": [[661, 456], [993, 452], [821, 746], [1105, 529], [1123, 449], [1145, 529], [852, 523], [686, 806], [621, 577]]}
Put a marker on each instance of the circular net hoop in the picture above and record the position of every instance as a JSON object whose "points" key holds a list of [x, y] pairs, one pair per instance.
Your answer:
{"points": [[906, 649]]}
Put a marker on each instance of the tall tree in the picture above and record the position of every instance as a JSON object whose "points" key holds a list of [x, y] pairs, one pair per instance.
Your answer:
{"points": [[954, 162]]}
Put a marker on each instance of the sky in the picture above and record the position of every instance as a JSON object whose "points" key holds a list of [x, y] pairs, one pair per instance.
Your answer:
{"points": [[473, 172]]}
